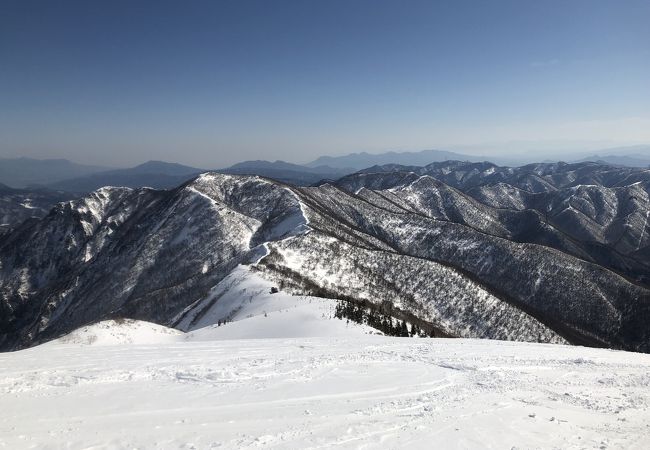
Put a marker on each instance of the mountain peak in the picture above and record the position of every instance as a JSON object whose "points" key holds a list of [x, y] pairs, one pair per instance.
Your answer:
{"points": [[163, 167]]}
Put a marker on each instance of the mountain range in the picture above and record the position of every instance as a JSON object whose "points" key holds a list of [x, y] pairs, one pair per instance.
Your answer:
{"points": [[38, 198], [546, 252], [154, 174], [61, 174], [26, 172], [632, 156], [301, 175], [362, 160], [633, 160]]}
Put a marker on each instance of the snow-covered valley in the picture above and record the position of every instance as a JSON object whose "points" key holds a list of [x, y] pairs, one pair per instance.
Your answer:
{"points": [[354, 391]]}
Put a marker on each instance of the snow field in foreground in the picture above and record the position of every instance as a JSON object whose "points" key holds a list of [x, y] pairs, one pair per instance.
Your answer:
{"points": [[349, 392], [284, 374]]}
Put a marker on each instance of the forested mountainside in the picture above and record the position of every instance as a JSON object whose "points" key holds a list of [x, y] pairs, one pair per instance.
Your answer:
{"points": [[18, 205], [595, 212], [404, 240]]}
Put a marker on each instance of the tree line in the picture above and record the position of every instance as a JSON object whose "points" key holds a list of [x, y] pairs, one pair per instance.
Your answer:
{"points": [[378, 320]]}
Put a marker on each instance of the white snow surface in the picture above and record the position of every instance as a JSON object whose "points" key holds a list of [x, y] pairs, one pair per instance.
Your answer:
{"points": [[121, 332], [345, 392], [244, 298]]}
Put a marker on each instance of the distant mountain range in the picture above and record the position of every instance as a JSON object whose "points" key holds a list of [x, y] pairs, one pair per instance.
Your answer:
{"points": [[634, 160], [154, 174], [289, 173], [29, 182], [25, 172], [16, 205], [633, 156], [163, 175], [61, 174], [362, 160]]}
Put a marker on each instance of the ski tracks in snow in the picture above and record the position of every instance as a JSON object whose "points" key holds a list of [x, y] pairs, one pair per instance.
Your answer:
{"points": [[324, 392]]}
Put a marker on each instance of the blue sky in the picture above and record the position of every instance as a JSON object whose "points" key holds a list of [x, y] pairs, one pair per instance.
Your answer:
{"points": [[210, 83]]}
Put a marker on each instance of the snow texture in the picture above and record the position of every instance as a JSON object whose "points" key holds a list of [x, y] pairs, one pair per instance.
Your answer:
{"points": [[344, 392]]}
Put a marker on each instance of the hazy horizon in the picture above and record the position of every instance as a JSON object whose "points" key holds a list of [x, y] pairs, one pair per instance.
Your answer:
{"points": [[209, 84]]}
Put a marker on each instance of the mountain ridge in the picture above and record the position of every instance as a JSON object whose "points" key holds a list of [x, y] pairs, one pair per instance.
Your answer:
{"points": [[382, 248]]}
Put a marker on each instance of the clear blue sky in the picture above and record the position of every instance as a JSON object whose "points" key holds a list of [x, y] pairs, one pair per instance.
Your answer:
{"points": [[213, 82]]}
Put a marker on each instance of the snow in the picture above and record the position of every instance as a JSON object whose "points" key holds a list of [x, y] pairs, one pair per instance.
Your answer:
{"points": [[28, 204], [285, 318], [245, 300], [291, 225], [345, 392], [120, 332], [647, 216], [285, 374]]}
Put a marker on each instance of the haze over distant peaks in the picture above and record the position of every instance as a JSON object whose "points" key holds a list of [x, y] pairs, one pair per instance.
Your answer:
{"points": [[164, 167], [23, 172], [621, 160], [288, 172], [155, 174], [419, 158], [631, 156]]}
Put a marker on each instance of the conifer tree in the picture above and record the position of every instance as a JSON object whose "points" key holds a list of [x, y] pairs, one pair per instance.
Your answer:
{"points": [[404, 331]]}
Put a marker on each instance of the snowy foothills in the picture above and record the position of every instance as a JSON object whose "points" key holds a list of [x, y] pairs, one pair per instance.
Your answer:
{"points": [[371, 310]]}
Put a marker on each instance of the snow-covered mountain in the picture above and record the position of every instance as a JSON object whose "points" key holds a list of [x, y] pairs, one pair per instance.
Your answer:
{"points": [[401, 243], [595, 212], [539, 177]]}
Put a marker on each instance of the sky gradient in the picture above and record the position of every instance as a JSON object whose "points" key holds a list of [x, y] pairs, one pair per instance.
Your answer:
{"points": [[210, 83]]}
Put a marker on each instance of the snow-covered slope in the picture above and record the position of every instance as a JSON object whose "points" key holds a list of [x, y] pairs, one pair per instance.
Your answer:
{"points": [[353, 392], [119, 332], [243, 306]]}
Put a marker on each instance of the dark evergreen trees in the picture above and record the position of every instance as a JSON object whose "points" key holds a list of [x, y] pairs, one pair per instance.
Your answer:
{"points": [[382, 321]]}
